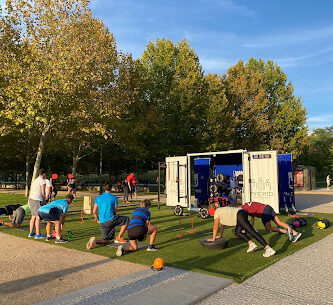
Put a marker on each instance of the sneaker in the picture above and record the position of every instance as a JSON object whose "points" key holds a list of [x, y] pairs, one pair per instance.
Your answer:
{"points": [[49, 238], [290, 233], [120, 240], [120, 251], [60, 241], [40, 236], [151, 248], [296, 237], [269, 252], [252, 247], [31, 234], [91, 243]]}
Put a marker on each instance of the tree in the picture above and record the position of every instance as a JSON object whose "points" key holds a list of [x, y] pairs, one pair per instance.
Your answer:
{"points": [[319, 151], [63, 71], [172, 104], [248, 103], [268, 114]]}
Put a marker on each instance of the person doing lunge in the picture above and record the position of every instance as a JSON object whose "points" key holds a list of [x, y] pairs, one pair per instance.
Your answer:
{"points": [[108, 219], [233, 216], [267, 214], [138, 229]]}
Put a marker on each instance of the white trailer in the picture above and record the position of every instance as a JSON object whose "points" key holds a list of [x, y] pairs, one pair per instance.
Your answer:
{"points": [[185, 174]]}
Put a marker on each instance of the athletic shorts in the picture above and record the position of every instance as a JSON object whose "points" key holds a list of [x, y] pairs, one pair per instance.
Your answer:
{"points": [[34, 206], [137, 233], [268, 214], [108, 228], [18, 216], [52, 215]]}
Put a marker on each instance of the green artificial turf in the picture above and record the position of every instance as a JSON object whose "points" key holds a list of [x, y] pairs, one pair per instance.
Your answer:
{"points": [[186, 253]]}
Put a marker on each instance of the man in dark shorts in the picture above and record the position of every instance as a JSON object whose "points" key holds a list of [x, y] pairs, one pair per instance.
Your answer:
{"points": [[18, 216], [267, 214], [108, 219], [138, 229], [9, 209], [55, 213]]}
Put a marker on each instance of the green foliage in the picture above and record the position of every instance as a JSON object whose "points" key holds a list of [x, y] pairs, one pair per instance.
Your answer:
{"points": [[267, 115], [319, 151]]}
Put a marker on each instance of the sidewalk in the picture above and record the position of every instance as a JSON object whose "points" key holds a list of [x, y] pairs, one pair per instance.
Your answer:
{"points": [[302, 278]]}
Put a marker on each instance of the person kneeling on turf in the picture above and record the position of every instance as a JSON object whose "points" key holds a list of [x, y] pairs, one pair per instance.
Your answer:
{"points": [[267, 214], [138, 229], [18, 217], [108, 219], [233, 216], [55, 213]]}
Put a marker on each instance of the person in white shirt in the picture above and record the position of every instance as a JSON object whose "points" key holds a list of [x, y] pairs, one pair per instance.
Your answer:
{"points": [[48, 190], [36, 200]]}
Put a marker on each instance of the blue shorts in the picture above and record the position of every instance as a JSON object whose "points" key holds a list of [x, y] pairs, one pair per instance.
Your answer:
{"points": [[268, 214]]}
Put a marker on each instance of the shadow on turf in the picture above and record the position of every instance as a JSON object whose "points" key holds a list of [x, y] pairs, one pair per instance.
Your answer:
{"points": [[30, 282]]}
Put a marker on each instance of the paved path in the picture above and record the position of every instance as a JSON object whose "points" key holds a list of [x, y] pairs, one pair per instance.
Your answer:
{"points": [[302, 278], [169, 286]]}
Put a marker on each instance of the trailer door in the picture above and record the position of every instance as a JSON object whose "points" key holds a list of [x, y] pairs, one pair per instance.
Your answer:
{"points": [[176, 181], [261, 178]]}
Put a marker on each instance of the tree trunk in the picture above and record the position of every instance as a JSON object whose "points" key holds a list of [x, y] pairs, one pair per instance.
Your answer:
{"points": [[39, 153], [27, 169], [74, 165], [100, 171], [76, 158]]}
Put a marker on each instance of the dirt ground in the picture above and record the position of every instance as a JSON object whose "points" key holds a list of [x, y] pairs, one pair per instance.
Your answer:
{"points": [[32, 272]]}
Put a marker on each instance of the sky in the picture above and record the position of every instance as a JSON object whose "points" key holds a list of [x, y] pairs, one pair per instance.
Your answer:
{"points": [[297, 35]]}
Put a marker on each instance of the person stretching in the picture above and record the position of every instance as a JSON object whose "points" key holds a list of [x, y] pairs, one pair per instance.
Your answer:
{"points": [[138, 229], [108, 220], [233, 216], [55, 213], [18, 217], [267, 214]]}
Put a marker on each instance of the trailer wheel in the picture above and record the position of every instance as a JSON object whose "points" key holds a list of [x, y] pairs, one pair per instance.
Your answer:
{"points": [[220, 243], [178, 210], [204, 213]]}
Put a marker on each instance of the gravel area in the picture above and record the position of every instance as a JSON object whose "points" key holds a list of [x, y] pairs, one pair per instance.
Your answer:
{"points": [[35, 271]]}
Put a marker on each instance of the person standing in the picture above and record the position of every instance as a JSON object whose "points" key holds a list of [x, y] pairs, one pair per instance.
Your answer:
{"points": [[48, 190], [36, 200], [126, 190], [108, 219], [54, 190], [328, 181], [134, 188], [71, 185], [55, 213]]}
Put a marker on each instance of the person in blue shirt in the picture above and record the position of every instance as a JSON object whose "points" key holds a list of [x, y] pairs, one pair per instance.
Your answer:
{"points": [[108, 219], [55, 213], [138, 229]]}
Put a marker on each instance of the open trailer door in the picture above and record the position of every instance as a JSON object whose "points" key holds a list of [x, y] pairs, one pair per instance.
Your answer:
{"points": [[261, 178], [176, 183]]}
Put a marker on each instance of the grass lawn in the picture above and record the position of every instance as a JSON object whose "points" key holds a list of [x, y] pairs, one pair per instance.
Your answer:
{"points": [[185, 253]]}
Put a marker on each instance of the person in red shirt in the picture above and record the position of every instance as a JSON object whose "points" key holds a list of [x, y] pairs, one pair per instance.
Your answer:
{"points": [[134, 188], [267, 214]]}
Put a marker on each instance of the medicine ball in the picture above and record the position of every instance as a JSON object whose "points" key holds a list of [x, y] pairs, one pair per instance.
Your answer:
{"points": [[299, 222], [158, 264], [323, 224]]}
